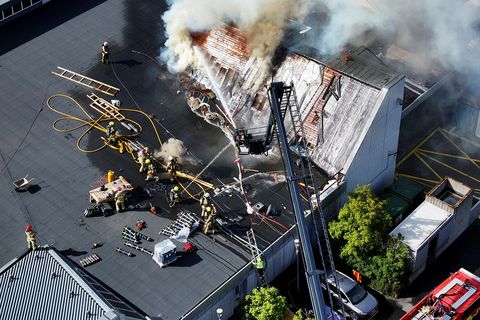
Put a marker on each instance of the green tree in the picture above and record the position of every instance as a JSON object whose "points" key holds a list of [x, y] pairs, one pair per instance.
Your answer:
{"points": [[265, 304], [303, 315], [389, 270], [361, 227]]}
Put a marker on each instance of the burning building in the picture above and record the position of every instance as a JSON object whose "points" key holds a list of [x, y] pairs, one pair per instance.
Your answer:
{"points": [[350, 105]]}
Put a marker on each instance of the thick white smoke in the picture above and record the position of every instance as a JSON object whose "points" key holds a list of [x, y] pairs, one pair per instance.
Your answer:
{"points": [[263, 21], [174, 148], [442, 32]]}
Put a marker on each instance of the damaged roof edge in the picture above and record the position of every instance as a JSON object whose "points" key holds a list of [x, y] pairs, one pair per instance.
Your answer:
{"points": [[360, 68]]}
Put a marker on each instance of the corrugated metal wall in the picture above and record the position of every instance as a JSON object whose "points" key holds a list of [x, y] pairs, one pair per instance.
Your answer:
{"points": [[228, 296], [374, 162]]}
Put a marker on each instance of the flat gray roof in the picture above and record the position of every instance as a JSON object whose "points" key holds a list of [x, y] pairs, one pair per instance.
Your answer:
{"points": [[69, 34], [363, 67], [420, 224]]}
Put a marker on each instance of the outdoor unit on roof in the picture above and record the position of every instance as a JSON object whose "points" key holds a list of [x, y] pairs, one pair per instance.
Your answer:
{"points": [[165, 252], [437, 222]]}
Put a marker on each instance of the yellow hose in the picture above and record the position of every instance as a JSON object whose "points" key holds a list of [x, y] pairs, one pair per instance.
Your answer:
{"points": [[95, 124]]}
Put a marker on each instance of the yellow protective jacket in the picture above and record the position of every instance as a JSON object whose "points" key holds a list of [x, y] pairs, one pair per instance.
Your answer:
{"points": [[30, 235]]}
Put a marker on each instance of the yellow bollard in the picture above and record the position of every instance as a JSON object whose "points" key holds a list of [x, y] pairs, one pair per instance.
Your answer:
{"points": [[110, 176]]}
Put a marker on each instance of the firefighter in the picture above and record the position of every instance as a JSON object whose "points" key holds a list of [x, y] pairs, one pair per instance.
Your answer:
{"points": [[142, 156], [31, 240], [174, 196], [260, 267], [151, 171], [120, 199], [204, 203], [208, 225], [209, 209], [111, 133], [172, 167], [105, 53]]}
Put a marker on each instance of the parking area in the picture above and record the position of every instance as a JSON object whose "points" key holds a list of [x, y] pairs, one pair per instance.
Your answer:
{"points": [[443, 153]]}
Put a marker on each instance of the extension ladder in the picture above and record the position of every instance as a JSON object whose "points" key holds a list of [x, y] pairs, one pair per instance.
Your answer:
{"points": [[289, 104], [104, 107], [86, 81]]}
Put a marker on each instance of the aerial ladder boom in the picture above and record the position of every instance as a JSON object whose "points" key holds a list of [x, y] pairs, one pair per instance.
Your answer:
{"points": [[312, 274], [258, 141]]}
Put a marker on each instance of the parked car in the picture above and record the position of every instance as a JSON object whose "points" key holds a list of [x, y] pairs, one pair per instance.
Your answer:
{"points": [[358, 303]]}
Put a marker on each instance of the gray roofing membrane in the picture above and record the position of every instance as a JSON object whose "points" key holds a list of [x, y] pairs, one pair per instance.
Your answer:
{"points": [[69, 34]]}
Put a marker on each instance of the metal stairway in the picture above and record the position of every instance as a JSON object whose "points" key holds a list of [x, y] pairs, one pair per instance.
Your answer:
{"points": [[304, 174], [255, 254]]}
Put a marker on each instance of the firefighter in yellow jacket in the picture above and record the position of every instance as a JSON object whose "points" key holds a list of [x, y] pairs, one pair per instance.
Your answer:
{"points": [[172, 167], [31, 240], [120, 199], [204, 203]]}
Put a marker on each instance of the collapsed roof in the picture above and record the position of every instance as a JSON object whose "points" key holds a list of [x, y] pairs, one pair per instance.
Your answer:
{"points": [[338, 99]]}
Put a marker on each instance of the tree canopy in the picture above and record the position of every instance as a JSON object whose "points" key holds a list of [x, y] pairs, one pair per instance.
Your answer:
{"points": [[303, 315], [362, 230], [265, 304], [389, 270], [362, 226]]}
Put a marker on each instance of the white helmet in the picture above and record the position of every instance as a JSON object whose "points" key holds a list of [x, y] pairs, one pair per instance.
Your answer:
{"points": [[206, 195], [170, 158], [105, 43]]}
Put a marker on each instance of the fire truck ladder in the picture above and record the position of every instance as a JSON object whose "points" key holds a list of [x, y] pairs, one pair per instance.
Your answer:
{"points": [[105, 108], [289, 104], [252, 241], [86, 81]]}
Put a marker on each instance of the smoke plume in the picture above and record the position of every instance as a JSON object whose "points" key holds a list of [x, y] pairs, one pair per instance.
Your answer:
{"points": [[444, 32], [263, 21], [175, 148]]}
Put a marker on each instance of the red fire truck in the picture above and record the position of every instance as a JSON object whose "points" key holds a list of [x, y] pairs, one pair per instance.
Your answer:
{"points": [[456, 298]]}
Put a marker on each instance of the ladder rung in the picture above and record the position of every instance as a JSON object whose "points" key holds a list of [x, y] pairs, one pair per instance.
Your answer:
{"points": [[86, 81]]}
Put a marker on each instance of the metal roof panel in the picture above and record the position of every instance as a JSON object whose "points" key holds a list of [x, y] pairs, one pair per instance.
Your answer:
{"points": [[42, 287]]}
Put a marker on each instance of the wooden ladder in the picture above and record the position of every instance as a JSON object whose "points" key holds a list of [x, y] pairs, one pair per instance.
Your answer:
{"points": [[104, 107], [86, 81]]}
